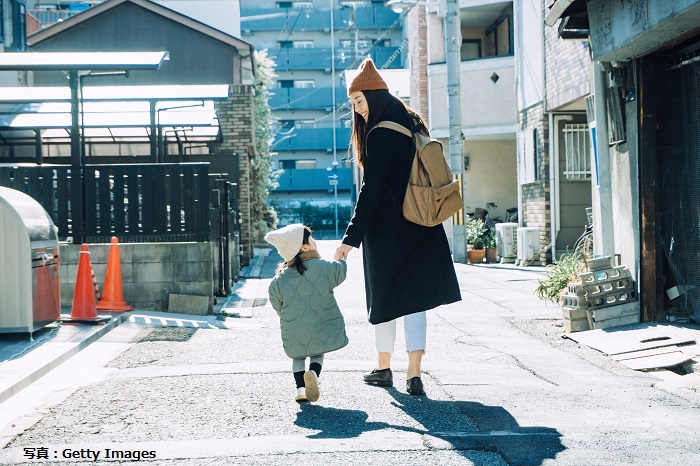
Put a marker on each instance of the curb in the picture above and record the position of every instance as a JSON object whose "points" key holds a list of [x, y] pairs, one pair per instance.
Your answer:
{"points": [[58, 356]]}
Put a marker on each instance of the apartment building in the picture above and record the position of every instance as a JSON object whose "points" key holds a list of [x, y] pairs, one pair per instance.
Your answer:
{"points": [[488, 116], [312, 43]]}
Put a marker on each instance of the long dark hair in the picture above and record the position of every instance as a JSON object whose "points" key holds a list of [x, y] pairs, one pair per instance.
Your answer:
{"points": [[377, 103], [297, 263]]}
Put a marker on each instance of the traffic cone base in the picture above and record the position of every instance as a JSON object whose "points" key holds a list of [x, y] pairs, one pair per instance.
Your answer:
{"points": [[114, 306], [112, 293]]}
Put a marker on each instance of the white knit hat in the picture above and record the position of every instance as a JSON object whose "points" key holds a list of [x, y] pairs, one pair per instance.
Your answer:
{"points": [[287, 240]]}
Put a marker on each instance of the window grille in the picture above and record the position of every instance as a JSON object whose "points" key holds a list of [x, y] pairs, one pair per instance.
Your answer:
{"points": [[302, 5], [577, 144], [306, 164], [303, 44], [304, 84]]}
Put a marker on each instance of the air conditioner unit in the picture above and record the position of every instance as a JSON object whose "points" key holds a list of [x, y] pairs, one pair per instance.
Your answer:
{"points": [[528, 244], [507, 242]]}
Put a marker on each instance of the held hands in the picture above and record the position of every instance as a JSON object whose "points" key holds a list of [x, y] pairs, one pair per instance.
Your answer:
{"points": [[342, 252]]}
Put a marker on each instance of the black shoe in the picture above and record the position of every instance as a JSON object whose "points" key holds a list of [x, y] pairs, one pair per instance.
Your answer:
{"points": [[380, 378], [414, 386]]}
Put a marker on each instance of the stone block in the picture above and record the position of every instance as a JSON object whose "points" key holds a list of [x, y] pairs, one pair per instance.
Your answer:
{"points": [[188, 304], [154, 252], [571, 326], [192, 271], [153, 272], [574, 313]]}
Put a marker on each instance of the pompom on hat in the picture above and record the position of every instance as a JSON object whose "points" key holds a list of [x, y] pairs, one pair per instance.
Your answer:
{"points": [[287, 240], [367, 78]]}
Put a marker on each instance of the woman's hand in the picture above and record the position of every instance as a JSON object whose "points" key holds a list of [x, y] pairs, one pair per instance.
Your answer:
{"points": [[342, 252]]}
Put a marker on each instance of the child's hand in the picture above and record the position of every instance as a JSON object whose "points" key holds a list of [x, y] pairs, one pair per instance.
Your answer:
{"points": [[342, 252]]}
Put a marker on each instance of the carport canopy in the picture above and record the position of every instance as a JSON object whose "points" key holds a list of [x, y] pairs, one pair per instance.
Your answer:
{"points": [[112, 114]]}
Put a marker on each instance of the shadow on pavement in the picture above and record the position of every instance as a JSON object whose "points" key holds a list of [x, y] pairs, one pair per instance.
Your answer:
{"points": [[340, 423], [497, 430], [449, 425]]}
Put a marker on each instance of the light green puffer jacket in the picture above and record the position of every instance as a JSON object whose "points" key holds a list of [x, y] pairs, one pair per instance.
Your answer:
{"points": [[310, 319]]}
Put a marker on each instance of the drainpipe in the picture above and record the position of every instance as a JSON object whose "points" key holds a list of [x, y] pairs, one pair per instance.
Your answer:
{"points": [[555, 212], [603, 233]]}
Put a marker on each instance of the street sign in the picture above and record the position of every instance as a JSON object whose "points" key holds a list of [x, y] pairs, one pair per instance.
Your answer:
{"points": [[332, 182], [332, 177]]}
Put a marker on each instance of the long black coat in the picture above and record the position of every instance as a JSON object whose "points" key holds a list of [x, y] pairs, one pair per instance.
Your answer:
{"points": [[408, 267]]}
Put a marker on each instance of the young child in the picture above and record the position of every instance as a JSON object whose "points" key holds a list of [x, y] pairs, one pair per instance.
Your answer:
{"points": [[302, 295]]}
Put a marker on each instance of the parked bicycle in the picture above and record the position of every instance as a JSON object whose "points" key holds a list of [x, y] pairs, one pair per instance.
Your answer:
{"points": [[584, 243]]}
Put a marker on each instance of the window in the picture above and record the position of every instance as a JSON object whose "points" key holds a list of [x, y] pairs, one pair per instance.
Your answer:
{"points": [[577, 145], [14, 26], [303, 44], [285, 44], [471, 48], [304, 84], [306, 124], [302, 4], [528, 160], [306, 164], [288, 164], [285, 83], [284, 4]]}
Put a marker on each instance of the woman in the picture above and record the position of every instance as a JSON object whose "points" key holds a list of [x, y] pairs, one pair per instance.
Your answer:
{"points": [[408, 268]]}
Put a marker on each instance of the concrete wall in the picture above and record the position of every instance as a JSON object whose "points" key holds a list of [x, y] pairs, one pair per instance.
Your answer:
{"points": [[150, 271], [492, 176], [627, 29], [487, 107], [624, 164]]}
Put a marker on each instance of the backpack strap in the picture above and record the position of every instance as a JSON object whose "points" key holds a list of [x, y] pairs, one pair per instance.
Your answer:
{"points": [[406, 132], [395, 126]]}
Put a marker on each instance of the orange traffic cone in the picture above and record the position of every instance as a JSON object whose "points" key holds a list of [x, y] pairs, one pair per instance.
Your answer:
{"points": [[112, 293], [84, 309]]}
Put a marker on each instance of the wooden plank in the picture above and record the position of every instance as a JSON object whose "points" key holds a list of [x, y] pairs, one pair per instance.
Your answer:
{"points": [[645, 353], [650, 263], [656, 361]]}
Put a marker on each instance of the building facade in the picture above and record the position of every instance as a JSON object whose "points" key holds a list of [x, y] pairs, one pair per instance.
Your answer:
{"points": [[309, 102]]}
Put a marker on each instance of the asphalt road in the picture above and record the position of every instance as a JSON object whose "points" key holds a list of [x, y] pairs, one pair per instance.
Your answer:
{"points": [[503, 388]]}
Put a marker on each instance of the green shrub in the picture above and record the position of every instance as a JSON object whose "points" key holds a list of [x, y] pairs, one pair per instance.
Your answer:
{"points": [[559, 274]]}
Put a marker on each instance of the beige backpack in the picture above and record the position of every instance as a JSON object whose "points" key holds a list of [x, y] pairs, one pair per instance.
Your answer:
{"points": [[432, 195]]}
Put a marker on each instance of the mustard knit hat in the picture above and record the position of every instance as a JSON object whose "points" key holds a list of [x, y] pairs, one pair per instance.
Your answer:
{"points": [[287, 240], [367, 78]]}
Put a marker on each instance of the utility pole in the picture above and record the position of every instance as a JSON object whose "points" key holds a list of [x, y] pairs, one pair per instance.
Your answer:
{"points": [[335, 150], [453, 43]]}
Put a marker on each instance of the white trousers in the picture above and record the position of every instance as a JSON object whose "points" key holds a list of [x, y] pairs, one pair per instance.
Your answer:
{"points": [[414, 325]]}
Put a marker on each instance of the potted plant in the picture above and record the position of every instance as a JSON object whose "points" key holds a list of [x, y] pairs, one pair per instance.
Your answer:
{"points": [[475, 232], [490, 244], [559, 275]]}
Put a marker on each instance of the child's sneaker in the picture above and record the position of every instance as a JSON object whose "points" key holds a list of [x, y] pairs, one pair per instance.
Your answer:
{"points": [[301, 395], [311, 382]]}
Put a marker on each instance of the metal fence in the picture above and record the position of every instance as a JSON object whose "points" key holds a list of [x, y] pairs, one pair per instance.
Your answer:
{"points": [[136, 203]]}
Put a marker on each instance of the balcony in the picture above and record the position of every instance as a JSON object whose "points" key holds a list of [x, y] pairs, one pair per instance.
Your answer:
{"points": [[307, 98], [291, 59], [487, 100], [313, 139], [277, 19], [315, 179]]}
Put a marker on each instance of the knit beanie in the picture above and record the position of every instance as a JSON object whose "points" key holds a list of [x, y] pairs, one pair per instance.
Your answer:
{"points": [[287, 240], [367, 78]]}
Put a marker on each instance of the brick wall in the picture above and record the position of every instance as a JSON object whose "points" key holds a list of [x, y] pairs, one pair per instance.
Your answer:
{"points": [[567, 69], [536, 209], [238, 132], [417, 33]]}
